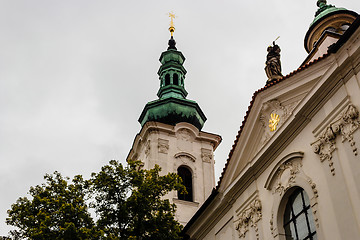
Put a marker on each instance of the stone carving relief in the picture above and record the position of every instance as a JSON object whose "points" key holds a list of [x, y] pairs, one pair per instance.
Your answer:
{"points": [[184, 134], [147, 148], [285, 176], [163, 146], [345, 125], [290, 174], [185, 140], [206, 155], [249, 217], [272, 224], [273, 107], [314, 201]]}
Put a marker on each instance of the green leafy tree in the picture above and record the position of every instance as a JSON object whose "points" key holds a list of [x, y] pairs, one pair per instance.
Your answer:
{"points": [[130, 202], [57, 210], [110, 188]]}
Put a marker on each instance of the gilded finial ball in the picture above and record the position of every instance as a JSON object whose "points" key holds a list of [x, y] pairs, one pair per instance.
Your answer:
{"points": [[172, 27]]}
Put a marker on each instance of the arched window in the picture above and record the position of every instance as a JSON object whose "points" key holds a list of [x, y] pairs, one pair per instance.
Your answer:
{"points": [[167, 79], [186, 177], [298, 219], [176, 79]]}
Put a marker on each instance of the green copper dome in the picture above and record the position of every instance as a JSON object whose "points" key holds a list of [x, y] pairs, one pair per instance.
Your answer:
{"points": [[324, 10], [172, 107], [328, 20]]}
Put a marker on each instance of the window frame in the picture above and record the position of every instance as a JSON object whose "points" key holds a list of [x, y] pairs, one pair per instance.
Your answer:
{"points": [[306, 209]]}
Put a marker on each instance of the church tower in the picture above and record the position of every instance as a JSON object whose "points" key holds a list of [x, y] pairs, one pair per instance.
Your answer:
{"points": [[171, 136]]}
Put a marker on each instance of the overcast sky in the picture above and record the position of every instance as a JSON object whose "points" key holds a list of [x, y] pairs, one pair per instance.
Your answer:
{"points": [[75, 75]]}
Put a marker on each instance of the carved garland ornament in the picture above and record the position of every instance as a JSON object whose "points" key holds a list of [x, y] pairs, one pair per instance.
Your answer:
{"points": [[345, 126], [249, 218]]}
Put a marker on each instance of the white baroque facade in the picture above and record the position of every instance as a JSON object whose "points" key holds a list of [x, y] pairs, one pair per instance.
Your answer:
{"points": [[172, 147], [302, 180]]}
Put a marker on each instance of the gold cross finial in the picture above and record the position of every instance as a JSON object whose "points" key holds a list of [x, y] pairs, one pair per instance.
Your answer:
{"points": [[172, 27]]}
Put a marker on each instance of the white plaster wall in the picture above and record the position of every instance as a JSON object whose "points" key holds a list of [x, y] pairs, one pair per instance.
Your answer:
{"points": [[181, 145], [334, 197]]}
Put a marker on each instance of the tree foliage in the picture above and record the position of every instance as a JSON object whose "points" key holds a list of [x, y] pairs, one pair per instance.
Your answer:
{"points": [[129, 203], [144, 214], [57, 210]]}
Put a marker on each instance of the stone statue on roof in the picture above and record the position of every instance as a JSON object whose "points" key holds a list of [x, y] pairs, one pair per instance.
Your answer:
{"points": [[273, 64]]}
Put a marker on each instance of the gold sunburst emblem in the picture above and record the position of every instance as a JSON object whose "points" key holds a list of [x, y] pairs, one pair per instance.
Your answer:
{"points": [[274, 121]]}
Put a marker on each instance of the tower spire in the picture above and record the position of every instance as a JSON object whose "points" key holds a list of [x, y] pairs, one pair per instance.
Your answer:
{"points": [[172, 42], [172, 107], [172, 27]]}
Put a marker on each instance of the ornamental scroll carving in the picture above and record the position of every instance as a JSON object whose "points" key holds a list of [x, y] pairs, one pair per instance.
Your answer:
{"points": [[249, 217], [290, 174], [346, 124], [285, 176]]}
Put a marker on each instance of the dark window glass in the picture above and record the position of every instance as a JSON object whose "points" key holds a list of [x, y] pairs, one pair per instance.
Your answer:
{"points": [[331, 29], [345, 27], [298, 219], [186, 177], [176, 79], [167, 79]]}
